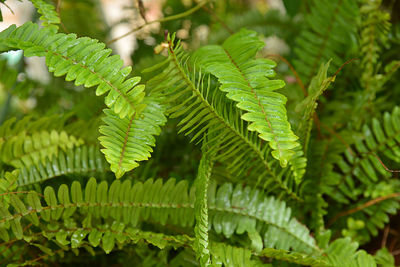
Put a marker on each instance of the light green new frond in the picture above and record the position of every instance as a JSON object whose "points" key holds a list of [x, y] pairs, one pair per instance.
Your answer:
{"points": [[202, 108], [129, 140], [83, 60], [81, 160], [330, 33], [49, 16], [248, 82], [26, 150]]}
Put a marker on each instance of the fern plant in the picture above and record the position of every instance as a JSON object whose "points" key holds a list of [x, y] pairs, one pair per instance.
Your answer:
{"points": [[204, 155]]}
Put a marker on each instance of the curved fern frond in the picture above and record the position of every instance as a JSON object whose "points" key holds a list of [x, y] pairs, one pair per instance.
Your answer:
{"points": [[231, 210], [82, 60], [25, 150], [49, 16], [247, 82], [201, 108], [129, 140], [84, 159], [331, 30]]}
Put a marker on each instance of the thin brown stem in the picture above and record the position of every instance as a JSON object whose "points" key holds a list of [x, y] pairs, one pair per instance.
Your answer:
{"points": [[363, 206], [173, 17]]}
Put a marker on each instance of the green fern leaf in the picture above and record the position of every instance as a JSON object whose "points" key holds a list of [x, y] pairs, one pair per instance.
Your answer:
{"points": [[84, 159], [246, 81], [129, 140], [242, 210], [24, 150], [201, 243], [307, 107], [81, 59], [202, 108], [49, 16]]}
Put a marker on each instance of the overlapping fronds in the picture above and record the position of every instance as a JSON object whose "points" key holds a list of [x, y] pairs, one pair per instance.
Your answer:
{"points": [[293, 257], [202, 108], [49, 16], [248, 82], [330, 33], [82, 60], [231, 209], [269, 23], [80, 160], [25, 150], [106, 236], [9, 81], [360, 163], [129, 140]]}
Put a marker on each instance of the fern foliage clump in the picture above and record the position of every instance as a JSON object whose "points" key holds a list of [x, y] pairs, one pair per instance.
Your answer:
{"points": [[240, 136]]}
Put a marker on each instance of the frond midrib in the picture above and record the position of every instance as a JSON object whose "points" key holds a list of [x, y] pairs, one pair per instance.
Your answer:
{"points": [[228, 126]]}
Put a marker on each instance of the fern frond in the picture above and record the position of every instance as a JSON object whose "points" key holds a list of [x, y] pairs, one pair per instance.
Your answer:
{"points": [[9, 81], [361, 164], [330, 32], [202, 108], [84, 159], [246, 81], [230, 256], [82, 60], [343, 252], [307, 107], [374, 29], [201, 242], [25, 150], [129, 140], [231, 210], [49, 16], [30, 125]]}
